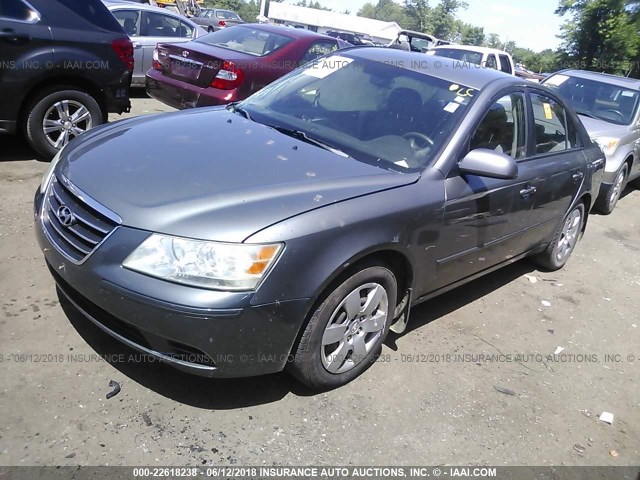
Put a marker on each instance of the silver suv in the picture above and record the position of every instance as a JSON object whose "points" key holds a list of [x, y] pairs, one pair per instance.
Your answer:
{"points": [[608, 106]]}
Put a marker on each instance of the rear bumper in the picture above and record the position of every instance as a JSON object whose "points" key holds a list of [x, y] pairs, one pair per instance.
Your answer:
{"points": [[182, 95]]}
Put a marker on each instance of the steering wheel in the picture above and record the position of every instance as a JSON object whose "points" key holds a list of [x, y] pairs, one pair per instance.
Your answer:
{"points": [[615, 112], [418, 141]]}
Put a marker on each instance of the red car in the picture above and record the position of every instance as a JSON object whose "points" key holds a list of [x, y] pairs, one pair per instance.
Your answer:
{"points": [[231, 64]]}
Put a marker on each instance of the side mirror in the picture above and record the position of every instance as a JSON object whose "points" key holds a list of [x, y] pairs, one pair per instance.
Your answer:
{"points": [[488, 163]]}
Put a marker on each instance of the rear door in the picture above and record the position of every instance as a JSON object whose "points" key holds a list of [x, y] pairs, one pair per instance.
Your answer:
{"points": [[557, 155], [25, 53]]}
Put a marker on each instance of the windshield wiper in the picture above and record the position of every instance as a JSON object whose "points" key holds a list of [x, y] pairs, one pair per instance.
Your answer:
{"points": [[236, 109], [300, 135]]}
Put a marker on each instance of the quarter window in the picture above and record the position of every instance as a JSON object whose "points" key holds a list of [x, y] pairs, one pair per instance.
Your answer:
{"points": [[503, 129], [549, 121]]}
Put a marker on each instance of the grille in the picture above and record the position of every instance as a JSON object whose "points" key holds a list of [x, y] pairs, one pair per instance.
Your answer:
{"points": [[86, 226]]}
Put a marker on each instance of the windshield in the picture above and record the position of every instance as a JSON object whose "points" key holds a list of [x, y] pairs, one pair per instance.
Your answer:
{"points": [[372, 111], [253, 41], [601, 100], [474, 58]]}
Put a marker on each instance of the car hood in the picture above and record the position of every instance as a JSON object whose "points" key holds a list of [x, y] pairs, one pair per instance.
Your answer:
{"points": [[601, 128], [212, 174]]}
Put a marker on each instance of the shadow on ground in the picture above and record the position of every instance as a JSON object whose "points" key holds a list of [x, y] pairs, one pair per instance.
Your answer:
{"points": [[14, 148]]}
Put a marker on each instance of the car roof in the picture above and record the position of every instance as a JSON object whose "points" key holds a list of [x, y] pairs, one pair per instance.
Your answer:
{"points": [[413, 33], [623, 82], [472, 48], [440, 67]]}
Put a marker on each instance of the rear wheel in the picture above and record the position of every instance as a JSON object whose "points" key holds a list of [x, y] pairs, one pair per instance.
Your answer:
{"points": [[564, 241], [345, 333], [608, 198], [211, 29], [55, 117]]}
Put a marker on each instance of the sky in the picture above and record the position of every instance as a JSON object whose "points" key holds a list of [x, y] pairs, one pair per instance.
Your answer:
{"points": [[530, 23]]}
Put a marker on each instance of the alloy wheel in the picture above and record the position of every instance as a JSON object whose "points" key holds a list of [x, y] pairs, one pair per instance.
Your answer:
{"points": [[354, 328], [65, 120], [569, 235]]}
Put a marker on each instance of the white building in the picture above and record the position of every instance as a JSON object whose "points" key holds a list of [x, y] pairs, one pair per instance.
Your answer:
{"points": [[322, 21]]}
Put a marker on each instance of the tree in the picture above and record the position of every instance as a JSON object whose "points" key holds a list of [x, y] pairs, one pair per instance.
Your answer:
{"points": [[471, 35], [385, 10], [493, 41], [419, 15], [600, 34], [443, 18]]}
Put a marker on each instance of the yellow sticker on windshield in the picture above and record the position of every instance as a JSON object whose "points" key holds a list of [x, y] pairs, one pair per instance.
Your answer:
{"points": [[548, 113]]}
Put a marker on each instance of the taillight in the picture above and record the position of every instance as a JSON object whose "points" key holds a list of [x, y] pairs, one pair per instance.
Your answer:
{"points": [[222, 23], [155, 64], [124, 49], [229, 77]]}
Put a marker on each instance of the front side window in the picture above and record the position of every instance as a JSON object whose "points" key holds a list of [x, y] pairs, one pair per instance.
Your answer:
{"points": [[227, 15], [160, 25], [601, 100], [503, 129], [376, 113], [253, 41], [319, 49], [492, 62], [549, 122], [17, 10]]}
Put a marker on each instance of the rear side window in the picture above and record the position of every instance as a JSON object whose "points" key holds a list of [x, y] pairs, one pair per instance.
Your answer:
{"points": [[550, 120], [505, 64], [160, 25], [17, 10], [129, 20], [319, 49]]}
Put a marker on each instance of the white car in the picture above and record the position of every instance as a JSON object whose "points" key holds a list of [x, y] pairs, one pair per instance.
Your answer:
{"points": [[480, 56]]}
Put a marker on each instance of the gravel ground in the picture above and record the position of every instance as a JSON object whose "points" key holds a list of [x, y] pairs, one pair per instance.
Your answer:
{"points": [[431, 399]]}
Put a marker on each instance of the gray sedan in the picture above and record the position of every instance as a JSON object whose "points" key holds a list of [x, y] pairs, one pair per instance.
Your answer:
{"points": [[610, 110], [214, 19], [147, 26], [356, 188]]}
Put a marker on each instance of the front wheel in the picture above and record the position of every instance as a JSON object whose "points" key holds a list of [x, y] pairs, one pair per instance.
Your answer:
{"points": [[345, 333], [608, 198], [57, 116], [564, 241]]}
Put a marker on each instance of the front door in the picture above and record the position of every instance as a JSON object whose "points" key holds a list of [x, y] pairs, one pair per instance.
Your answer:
{"points": [[484, 218]]}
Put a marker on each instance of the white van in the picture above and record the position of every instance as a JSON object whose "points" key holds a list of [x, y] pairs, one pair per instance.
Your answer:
{"points": [[486, 57]]}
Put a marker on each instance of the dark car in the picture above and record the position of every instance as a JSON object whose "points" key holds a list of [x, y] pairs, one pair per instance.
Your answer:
{"points": [[231, 64], [65, 65], [214, 19], [354, 188]]}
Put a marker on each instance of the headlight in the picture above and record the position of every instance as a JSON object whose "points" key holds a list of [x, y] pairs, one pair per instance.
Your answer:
{"points": [[607, 144], [200, 263], [47, 176]]}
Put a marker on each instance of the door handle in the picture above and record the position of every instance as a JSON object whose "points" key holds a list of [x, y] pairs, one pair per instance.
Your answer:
{"points": [[529, 191], [597, 164], [11, 36], [137, 45], [578, 176]]}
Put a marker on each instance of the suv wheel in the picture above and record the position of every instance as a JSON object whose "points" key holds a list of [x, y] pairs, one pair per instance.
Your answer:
{"points": [[346, 331], [57, 116], [610, 195]]}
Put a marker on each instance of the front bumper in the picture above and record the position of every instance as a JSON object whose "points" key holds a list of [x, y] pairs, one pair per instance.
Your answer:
{"points": [[182, 95], [208, 333]]}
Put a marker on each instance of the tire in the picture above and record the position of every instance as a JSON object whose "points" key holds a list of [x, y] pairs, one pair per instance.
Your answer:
{"points": [[635, 183], [322, 365], [609, 196], [70, 102], [564, 240], [211, 30]]}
